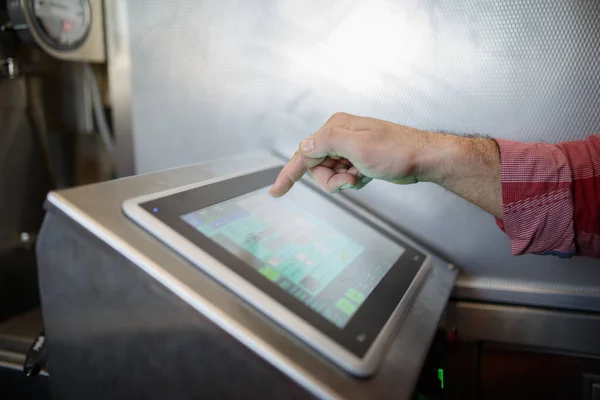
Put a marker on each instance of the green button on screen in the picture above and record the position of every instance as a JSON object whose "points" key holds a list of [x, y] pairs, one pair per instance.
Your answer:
{"points": [[307, 255], [269, 273], [345, 306], [355, 295]]}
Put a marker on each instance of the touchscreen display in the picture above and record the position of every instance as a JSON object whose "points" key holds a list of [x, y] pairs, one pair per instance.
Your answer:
{"points": [[315, 251]]}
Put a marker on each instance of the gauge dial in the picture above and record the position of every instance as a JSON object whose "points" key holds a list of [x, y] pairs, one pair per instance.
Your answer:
{"points": [[62, 24]]}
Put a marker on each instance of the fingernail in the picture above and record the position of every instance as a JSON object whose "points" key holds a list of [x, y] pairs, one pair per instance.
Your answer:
{"points": [[346, 186], [308, 144]]}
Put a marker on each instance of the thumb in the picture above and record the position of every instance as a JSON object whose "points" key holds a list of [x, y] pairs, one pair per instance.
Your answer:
{"points": [[333, 142]]}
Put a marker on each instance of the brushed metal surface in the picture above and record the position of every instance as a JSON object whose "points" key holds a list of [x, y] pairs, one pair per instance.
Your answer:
{"points": [[113, 332], [525, 326], [94, 214], [510, 292], [223, 77]]}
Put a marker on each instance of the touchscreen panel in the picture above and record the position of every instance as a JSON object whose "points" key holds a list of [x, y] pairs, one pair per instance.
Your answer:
{"points": [[325, 258], [337, 271]]}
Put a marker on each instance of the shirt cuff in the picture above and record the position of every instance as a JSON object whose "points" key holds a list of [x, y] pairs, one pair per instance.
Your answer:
{"points": [[537, 203]]}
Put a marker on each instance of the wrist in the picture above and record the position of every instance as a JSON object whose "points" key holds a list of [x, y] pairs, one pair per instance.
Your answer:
{"points": [[468, 167], [448, 158], [436, 161]]}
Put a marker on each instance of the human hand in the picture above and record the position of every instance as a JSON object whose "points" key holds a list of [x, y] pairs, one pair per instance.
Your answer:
{"points": [[350, 151]]}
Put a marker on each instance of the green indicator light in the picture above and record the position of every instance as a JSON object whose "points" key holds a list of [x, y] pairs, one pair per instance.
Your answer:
{"points": [[441, 377]]}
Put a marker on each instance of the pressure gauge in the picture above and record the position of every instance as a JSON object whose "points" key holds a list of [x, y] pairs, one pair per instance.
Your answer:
{"points": [[66, 29], [61, 24]]}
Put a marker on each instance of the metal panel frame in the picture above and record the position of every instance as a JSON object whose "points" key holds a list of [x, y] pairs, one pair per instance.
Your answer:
{"points": [[119, 81], [480, 290], [526, 326]]}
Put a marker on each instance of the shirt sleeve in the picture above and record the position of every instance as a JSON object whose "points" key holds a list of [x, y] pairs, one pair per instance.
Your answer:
{"points": [[551, 197]]}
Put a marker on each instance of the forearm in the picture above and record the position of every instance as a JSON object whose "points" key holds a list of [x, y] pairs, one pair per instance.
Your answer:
{"points": [[469, 167], [545, 197]]}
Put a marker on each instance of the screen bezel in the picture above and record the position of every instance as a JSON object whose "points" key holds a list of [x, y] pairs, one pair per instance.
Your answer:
{"points": [[368, 321]]}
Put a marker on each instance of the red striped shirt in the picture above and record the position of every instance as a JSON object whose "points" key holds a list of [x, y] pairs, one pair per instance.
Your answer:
{"points": [[551, 197]]}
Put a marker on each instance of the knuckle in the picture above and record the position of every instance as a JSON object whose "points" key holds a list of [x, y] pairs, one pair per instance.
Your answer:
{"points": [[303, 160], [340, 115], [338, 118]]}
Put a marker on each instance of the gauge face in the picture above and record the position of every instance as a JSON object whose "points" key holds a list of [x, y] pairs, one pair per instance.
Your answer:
{"points": [[62, 24]]}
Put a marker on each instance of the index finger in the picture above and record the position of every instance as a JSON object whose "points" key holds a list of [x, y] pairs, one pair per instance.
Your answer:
{"points": [[292, 173]]}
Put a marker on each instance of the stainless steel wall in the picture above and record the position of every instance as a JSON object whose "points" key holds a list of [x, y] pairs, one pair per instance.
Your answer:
{"points": [[218, 77]]}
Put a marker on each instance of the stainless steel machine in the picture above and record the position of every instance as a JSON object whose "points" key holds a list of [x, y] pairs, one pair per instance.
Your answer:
{"points": [[128, 317]]}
